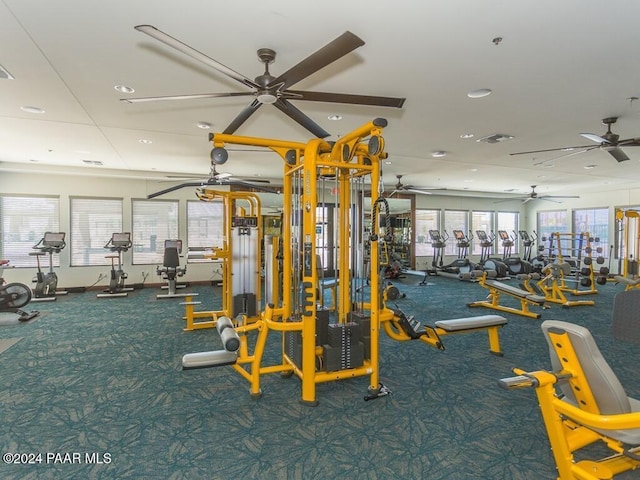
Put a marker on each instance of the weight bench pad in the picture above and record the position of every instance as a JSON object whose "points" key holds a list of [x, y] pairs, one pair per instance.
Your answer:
{"points": [[517, 292], [468, 323]]}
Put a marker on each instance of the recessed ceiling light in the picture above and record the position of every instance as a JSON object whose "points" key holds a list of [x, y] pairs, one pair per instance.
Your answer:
{"points": [[438, 154], [590, 167], [335, 117], [145, 141], [30, 109], [204, 125], [473, 169], [479, 93], [466, 135], [566, 149], [124, 89], [388, 162]]}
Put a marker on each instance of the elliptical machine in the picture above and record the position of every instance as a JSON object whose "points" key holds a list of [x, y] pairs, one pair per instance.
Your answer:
{"points": [[118, 243], [516, 265], [14, 296], [47, 283], [487, 263]]}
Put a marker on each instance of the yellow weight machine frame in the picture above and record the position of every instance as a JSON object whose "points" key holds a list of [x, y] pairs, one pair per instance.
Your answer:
{"points": [[240, 254], [297, 312], [574, 417], [629, 221]]}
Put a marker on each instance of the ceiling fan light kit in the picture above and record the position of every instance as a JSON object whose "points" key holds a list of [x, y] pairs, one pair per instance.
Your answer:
{"points": [[271, 90]]}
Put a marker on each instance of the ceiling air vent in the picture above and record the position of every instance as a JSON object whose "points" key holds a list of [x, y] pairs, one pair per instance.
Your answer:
{"points": [[495, 138], [4, 74], [92, 162]]}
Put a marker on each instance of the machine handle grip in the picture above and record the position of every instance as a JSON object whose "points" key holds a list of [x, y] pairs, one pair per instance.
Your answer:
{"points": [[521, 381]]}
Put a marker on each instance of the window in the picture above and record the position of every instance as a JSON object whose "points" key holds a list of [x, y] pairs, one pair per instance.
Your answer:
{"points": [[204, 225], [24, 222], [93, 221], [154, 221], [425, 220], [507, 228], [482, 221], [594, 221], [549, 222], [454, 220]]}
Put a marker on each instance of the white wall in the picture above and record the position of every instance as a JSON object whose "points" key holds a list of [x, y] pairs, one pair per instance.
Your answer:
{"points": [[65, 186]]}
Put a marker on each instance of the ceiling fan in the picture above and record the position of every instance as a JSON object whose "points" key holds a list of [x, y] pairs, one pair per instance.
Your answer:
{"points": [[609, 142], [533, 195], [400, 188], [275, 90], [216, 178]]}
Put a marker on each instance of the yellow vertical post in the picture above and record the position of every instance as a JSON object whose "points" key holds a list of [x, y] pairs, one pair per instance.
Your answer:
{"points": [[344, 210], [309, 272], [374, 380]]}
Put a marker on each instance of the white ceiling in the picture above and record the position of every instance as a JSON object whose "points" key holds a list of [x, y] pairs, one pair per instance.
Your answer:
{"points": [[560, 68]]}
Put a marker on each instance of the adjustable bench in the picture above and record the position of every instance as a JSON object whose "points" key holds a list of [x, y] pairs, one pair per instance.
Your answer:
{"points": [[496, 288], [431, 335]]}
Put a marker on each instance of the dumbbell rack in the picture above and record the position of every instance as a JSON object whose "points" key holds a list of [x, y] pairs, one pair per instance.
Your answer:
{"points": [[576, 249]]}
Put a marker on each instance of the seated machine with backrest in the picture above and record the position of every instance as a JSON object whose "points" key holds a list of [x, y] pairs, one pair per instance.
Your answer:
{"points": [[170, 270], [119, 243], [46, 287], [583, 403]]}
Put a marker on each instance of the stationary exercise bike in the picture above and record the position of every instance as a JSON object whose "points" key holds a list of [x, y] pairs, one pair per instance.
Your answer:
{"points": [[118, 243], [14, 296], [46, 287]]}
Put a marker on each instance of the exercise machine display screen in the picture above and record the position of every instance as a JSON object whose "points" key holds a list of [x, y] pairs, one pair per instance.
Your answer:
{"points": [[53, 239], [121, 239]]}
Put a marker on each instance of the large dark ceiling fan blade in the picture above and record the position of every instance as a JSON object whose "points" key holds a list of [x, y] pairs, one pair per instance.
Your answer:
{"points": [[616, 153], [288, 109], [571, 153], [195, 54], [594, 138], [242, 117], [176, 187], [186, 97], [331, 52], [212, 182], [552, 150], [346, 98]]}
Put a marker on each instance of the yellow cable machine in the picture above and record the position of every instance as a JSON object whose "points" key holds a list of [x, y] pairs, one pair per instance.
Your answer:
{"points": [[320, 344], [240, 254]]}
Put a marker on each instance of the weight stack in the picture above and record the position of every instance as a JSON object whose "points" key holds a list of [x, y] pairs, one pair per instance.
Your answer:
{"points": [[344, 349], [365, 330], [293, 347], [293, 340]]}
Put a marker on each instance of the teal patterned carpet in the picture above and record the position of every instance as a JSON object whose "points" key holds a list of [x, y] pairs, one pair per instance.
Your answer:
{"points": [[96, 387]]}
